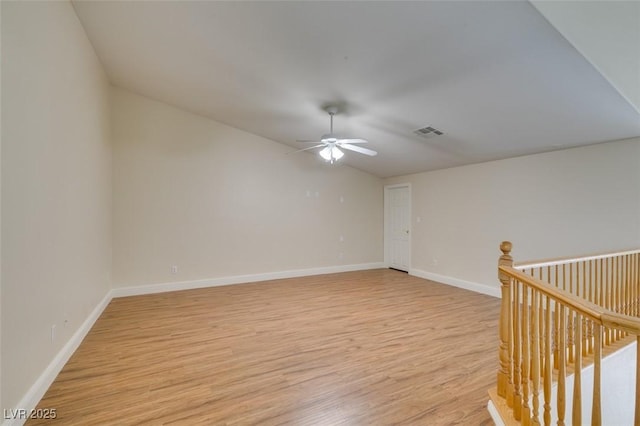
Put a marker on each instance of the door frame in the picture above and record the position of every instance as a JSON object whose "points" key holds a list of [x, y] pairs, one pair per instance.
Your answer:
{"points": [[387, 240]]}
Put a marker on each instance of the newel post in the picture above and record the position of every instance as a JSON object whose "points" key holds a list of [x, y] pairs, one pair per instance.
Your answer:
{"points": [[503, 372]]}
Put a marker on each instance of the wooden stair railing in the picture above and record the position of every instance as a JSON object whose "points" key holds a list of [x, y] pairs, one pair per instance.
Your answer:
{"points": [[547, 328]]}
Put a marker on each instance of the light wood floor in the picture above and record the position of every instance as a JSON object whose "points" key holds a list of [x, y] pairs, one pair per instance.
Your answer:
{"points": [[360, 348]]}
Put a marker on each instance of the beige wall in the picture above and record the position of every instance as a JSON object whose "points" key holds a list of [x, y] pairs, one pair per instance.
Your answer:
{"points": [[569, 202], [56, 187], [219, 202]]}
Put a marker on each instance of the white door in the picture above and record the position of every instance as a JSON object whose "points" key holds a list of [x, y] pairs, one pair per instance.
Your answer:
{"points": [[398, 226]]}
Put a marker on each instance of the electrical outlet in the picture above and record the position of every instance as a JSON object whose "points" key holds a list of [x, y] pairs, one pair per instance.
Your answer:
{"points": [[174, 269]]}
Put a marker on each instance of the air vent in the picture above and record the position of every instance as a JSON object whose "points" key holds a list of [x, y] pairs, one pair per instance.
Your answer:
{"points": [[428, 132]]}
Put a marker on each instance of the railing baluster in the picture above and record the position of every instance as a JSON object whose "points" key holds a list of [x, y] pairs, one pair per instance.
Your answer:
{"points": [[510, 341], [535, 307], [636, 286], [615, 282], [620, 291], [570, 339], [634, 283], [562, 362], [632, 280], [585, 338], [526, 412], [585, 295], [517, 397], [557, 321], [576, 415], [596, 410], [636, 419], [547, 362], [636, 298], [539, 274], [632, 273], [541, 319], [625, 283], [591, 272], [598, 288], [624, 296], [618, 298], [540, 324], [607, 300], [591, 295], [571, 290]]}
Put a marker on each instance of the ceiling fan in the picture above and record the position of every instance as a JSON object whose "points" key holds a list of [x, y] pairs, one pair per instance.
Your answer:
{"points": [[331, 144]]}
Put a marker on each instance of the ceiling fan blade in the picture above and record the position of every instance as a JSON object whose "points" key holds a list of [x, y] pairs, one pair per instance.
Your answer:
{"points": [[306, 149], [307, 141], [341, 141], [359, 149]]}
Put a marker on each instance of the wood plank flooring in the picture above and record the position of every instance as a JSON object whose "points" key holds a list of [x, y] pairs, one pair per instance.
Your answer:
{"points": [[372, 347]]}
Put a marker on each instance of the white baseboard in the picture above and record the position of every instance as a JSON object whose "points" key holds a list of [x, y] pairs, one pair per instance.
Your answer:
{"points": [[239, 279], [493, 412], [456, 282], [35, 393]]}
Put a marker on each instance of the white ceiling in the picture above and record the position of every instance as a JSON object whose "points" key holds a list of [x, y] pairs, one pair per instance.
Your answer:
{"points": [[495, 77], [606, 33]]}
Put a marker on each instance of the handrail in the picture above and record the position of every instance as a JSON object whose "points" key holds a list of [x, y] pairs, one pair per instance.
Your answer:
{"points": [[563, 260], [622, 322], [604, 316]]}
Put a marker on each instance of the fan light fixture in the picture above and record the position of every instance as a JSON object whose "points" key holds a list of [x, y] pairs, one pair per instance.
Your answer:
{"points": [[331, 153], [332, 145]]}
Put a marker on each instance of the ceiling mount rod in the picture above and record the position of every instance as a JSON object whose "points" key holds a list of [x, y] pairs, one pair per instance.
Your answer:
{"points": [[331, 115], [332, 110]]}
